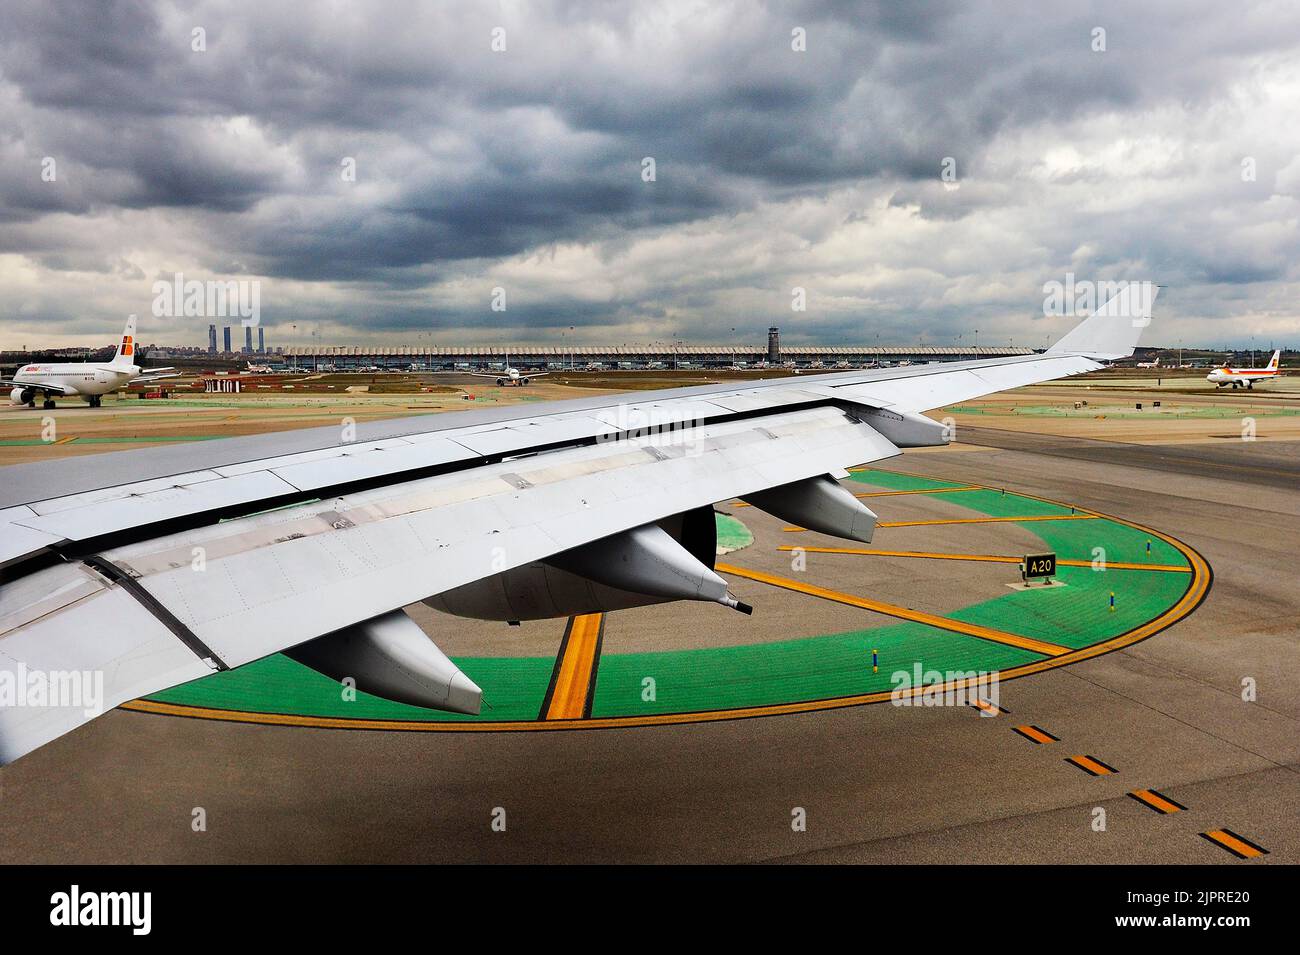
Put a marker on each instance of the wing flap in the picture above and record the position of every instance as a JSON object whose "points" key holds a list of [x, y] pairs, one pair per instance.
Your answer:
{"points": [[159, 504]]}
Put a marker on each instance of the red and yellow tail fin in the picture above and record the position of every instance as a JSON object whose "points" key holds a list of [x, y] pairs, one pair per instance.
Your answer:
{"points": [[126, 346]]}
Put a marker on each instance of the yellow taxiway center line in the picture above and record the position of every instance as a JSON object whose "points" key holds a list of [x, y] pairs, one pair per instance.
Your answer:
{"points": [[972, 520], [991, 558], [1037, 735], [1091, 765], [992, 520], [1154, 800], [924, 490], [902, 613], [1241, 848], [572, 684]]}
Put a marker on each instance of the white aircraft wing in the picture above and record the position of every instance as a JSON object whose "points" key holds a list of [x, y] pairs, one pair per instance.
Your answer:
{"points": [[154, 374], [47, 387], [504, 374], [160, 566]]}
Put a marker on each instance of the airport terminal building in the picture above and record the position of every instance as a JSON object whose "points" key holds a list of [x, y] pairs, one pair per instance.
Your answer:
{"points": [[665, 355]]}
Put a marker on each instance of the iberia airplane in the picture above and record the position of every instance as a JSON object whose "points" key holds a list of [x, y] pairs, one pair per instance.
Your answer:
{"points": [[89, 380], [1237, 377]]}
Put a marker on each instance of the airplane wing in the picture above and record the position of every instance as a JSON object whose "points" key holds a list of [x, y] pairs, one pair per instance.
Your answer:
{"points": [[159, 566], [48, 388]]}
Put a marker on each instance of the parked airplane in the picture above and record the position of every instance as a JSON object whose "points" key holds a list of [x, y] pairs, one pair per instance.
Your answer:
{"points": [[509, 513], [260, 369], [89, 380], [1245, 377], [1150, 364]]}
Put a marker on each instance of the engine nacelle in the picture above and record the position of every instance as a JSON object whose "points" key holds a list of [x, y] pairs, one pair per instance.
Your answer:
{"points": [[390, 656], [542, 591], [21, 395]]}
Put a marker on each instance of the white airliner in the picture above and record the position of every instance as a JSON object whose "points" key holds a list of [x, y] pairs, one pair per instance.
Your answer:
{"points": [[1246, 377], [1149, 364], [314, 543], [89, 380], [511, 376]]}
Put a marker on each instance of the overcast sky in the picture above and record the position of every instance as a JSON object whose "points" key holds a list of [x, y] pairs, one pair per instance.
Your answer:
{"points": [[523, 168]]}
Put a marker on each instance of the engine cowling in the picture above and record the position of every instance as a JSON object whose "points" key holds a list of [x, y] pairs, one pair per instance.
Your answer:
{"points": [[21, 395], [541, 590], [390, 656]]}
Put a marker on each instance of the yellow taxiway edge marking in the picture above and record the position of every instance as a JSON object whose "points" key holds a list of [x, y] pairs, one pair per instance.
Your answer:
{"points": [[571, 685], [902, 613], [1240, 847], [1157, 801], [991, 558], [66, 440]]}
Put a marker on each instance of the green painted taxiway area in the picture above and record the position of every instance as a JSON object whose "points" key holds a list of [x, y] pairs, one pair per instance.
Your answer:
{"points": [[1158, 578]]}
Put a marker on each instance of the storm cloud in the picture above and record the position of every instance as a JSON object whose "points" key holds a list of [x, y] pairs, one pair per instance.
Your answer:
{"points": [[218, 139]]}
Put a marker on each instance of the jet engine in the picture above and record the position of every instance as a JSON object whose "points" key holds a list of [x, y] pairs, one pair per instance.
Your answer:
{"points": [[21, 396], [390, 656], [655, 563]]}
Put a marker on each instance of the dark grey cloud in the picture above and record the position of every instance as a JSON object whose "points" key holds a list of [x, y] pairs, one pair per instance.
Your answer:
{"points": [[522, 168]]}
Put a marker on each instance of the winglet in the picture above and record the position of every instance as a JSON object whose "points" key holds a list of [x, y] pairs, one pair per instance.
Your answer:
{"points": [[1113, 330]]}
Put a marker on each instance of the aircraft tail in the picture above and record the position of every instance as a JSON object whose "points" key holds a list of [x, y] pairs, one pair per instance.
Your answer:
{"points": [[1275, 360], [126, 346]]}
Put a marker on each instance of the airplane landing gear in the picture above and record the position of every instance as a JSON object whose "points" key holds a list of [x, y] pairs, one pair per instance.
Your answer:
{"points": [[49, 404], [94, 401]]}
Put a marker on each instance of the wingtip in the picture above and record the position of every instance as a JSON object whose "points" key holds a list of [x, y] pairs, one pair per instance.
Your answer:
{"points": [[1114, 329]]}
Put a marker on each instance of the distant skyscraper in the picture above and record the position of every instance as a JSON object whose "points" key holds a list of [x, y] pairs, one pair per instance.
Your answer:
{"points": [[248, 339], [261, 340], [226, 330], [212, 339]]}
